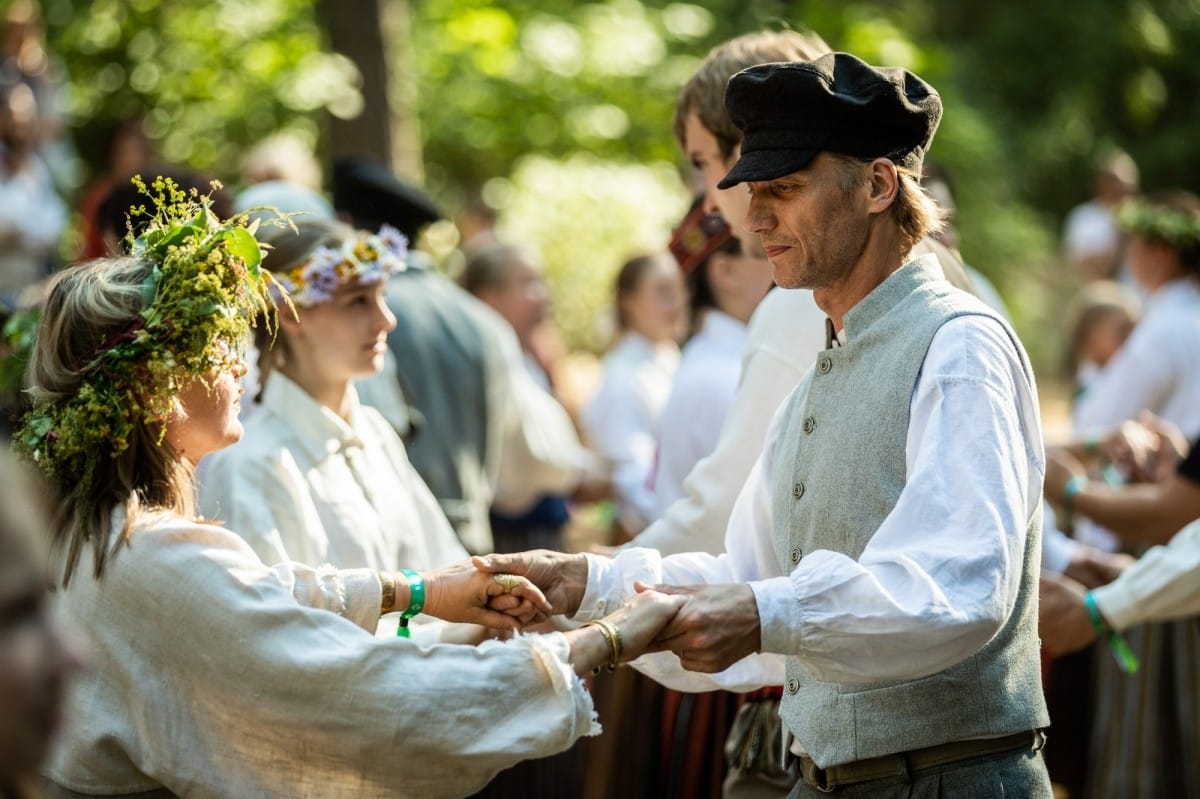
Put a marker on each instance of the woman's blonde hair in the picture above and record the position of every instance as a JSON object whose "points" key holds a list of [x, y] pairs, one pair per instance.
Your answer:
{"points": [[89, 307]]}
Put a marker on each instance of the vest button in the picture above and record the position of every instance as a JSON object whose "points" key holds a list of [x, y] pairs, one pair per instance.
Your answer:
{"points": [[798, 490], [824, 365], [793, 686], [796, 555], [810, 424]]}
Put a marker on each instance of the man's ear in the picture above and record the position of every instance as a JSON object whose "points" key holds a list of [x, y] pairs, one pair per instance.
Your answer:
{"points": [[884, 184]]}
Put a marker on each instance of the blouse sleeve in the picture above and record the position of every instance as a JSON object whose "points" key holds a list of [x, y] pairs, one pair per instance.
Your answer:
{"points": [[271, 694]]}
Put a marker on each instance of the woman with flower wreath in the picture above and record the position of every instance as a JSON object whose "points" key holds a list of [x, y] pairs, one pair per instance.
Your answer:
{"points": [[319, 477], [1145, 732], [214, 675]]}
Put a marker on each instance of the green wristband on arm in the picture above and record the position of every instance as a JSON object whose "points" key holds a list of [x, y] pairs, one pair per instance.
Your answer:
{"points": [[1124, 656], [416, 601]]}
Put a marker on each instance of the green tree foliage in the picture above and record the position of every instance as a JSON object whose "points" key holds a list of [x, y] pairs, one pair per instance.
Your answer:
{"points": [[209, 78]]}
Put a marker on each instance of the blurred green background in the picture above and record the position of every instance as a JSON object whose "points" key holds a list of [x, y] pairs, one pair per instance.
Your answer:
{"points": [[560, 111]]}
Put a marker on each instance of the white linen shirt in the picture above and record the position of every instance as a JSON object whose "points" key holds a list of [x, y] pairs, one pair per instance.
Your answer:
{"points": [[304, 484], [622, 421], [215, 676], [701, 394], [939, 576]]}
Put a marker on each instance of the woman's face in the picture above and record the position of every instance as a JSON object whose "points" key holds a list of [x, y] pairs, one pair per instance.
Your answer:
{"points": [[206, 417], [36, 660], [344, 338], [1152, 263], [657, 307]]}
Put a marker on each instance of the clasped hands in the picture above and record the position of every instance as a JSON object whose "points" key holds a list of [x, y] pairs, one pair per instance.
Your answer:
{"points": [[709, 627]]}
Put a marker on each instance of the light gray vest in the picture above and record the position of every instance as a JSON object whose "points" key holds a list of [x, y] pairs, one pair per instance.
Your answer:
{"points": [[838, 471]]}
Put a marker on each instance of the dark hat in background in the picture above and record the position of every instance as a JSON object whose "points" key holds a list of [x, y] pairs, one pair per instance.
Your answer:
{"points": [[698, 236], [837, 103], [372, 196]]}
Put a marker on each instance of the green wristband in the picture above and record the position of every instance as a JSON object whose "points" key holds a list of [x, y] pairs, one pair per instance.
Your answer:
{"points": [[1073, 487], [1124, 656], [416, 600]]}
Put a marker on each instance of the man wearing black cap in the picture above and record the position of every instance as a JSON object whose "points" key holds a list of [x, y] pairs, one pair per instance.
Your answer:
{"points": [[887, 543]]}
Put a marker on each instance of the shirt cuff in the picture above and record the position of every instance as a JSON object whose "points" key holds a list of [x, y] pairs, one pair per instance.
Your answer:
{"points": [[363, 595], [779, 615], [1117, 604], [610, 580], [1057, 550]]}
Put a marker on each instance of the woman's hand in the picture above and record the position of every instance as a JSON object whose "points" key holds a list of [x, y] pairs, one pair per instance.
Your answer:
{"points": [[462, 593], [636, 623]]}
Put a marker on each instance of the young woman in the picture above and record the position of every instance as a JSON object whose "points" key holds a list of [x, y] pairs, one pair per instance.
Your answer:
{"points": [[622, 419], [212, 674], [319, 477]]}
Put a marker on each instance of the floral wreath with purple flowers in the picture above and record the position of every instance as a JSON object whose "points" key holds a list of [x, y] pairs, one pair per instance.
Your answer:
{"points": [[365, 259]]}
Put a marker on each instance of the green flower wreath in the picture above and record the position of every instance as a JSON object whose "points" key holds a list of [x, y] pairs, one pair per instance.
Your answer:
{"points": [[1178, 228], [205, 291]]}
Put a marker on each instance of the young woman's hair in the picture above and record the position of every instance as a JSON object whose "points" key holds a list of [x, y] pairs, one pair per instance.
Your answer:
{"points": [[89, 306], [289, 249]]}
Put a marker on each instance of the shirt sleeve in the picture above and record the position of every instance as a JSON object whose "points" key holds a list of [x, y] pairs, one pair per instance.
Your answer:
{"points": [[940, 576], [1163, 584]]}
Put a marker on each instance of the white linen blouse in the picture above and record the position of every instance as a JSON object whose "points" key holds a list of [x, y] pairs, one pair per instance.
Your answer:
{"points": [[213, 676], [622, 421], [304, 484]]}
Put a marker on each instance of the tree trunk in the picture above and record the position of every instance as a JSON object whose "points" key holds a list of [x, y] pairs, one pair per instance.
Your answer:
{"points": [[355, 29]]}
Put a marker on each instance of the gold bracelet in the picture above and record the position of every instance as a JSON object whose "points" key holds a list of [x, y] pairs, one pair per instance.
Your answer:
{"points": [[613, 636], [388, 602]]}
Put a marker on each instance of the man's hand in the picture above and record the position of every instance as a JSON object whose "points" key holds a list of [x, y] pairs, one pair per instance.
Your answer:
{"points": [[1093, 567], [715, 628], [561, 577], [1063, 622], [1061, 466]]}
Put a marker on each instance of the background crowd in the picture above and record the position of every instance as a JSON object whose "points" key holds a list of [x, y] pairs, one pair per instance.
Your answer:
{"points": [[448, 394]]}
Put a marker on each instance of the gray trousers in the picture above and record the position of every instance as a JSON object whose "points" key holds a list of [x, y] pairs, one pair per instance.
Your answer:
{"points": [[1010, 775]]}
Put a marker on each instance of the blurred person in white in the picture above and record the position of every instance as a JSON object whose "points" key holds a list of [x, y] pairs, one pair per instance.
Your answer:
{"points": [[213, 675], [725, 286], [622, 420], [509, 280], [1092, 240], [32, 216], [37, 658], [1158, 367], [319, 477]]}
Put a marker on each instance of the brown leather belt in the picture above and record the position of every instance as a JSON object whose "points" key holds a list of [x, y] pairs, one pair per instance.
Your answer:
{"points": [[877, 768]]}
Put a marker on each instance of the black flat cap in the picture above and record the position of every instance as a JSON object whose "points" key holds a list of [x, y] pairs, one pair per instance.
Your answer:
{"points": [[373, 196], [838, 103]]}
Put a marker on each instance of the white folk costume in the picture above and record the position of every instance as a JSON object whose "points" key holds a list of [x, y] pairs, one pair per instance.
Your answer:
{"points": [[214, 676], [305, 485]]}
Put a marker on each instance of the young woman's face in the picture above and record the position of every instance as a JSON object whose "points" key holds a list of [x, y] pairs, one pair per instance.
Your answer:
{"points": [[206, 419], [344, 338], [36, 661], [657, 307]]}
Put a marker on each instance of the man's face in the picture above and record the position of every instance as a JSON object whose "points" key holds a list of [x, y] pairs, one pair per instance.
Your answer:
{"points": [[813, 224], [704, 152]]}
